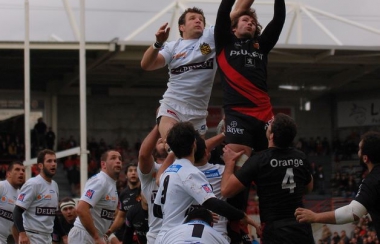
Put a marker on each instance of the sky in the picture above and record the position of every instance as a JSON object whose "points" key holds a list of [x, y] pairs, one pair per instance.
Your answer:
{"points": [[109, 19]]}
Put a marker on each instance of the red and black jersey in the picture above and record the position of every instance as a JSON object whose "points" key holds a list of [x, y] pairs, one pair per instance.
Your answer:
{"points": [[281, 176], [243, 62]]}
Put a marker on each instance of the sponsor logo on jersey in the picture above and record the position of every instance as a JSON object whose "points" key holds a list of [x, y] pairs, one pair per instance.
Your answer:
{"points": [[6, 214], [21, 197], [207, 188], [173, 168], [180, 55], [249, 62], [51, 191], [43, 197], [8, 200], [286, 162], [205, 48], [45, 211], [246, 53], [208, 64], [110, 198], [107, 214], [214, 173], [232, 128], [89, 193]]}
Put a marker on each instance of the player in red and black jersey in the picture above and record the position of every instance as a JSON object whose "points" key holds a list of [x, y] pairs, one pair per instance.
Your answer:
{"points": [[242, 55], [281, 174]]}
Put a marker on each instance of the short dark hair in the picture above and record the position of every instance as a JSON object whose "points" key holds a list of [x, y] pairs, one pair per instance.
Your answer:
{"points": [[284, 130], [12, 164], [130, 165], [182, 18], [251, 13], [201, 148], [181, 138], [200, 213], [371, 146], [41, 155]]}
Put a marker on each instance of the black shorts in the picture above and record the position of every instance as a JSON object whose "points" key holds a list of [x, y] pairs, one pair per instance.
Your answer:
{"points": [[245, 130], [287, 232]]}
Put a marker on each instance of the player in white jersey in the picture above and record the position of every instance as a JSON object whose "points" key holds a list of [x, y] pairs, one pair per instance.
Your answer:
{"points": [[151, 156], [213, 173], [181, 183], [34, 213], [192, 66], [198, 228], [96, 208], [9, 190]]}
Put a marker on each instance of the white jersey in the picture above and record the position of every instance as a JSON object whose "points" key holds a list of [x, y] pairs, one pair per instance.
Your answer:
{"points": [[39, 198], [180, 184], [100, 192], [213, 173], [192, 68], [149, 190], [8, 196], [196, 231]]}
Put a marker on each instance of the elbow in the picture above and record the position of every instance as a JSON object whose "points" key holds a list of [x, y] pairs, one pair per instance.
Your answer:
{"points": [[144, 65], [225, 192]]}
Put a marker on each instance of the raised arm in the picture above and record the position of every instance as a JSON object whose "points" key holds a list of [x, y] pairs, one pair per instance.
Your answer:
{"points": [[152, 59], [146, 160], [241, 5], [272, 32]]}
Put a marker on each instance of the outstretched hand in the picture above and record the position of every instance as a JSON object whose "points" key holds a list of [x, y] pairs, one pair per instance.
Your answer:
{"points": [[163, 33], [304, 215]]}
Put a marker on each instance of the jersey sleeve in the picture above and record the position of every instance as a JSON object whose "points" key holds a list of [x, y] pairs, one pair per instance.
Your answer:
{"points": [[93, 192], [166, 52], [271, 34], [28, 194], [248, 172], [2, 188], [365, 193], [223, 25], [198, 187]]}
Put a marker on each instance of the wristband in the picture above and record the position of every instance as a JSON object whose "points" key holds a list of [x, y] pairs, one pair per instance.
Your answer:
{"points": [[157, 45]]}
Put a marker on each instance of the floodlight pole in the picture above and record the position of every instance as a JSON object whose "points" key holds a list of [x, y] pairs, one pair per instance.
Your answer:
{"points": [[27, 92], [82, 98]]}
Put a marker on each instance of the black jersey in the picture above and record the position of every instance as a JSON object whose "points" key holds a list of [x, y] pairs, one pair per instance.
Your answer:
{"points": [[369, 196], [281, 176], [243, 62], [137, 221], [127, 198]]}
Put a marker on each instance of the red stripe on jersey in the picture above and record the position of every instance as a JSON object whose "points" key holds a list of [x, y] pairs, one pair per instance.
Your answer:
{"points": [[243, 86]]}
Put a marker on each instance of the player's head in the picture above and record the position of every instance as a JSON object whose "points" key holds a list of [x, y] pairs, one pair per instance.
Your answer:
{"points": [[369, 148], [181, 139], [282, 130], [246, 25], [16, 174], [68, 210], [200, 153], [191, 23], [200, 214], [131, 174], [47, 163], [111, 163], [160, 153]]}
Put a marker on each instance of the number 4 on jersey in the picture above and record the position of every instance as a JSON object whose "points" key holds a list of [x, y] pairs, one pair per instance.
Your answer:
{"points": [[288, 181]]}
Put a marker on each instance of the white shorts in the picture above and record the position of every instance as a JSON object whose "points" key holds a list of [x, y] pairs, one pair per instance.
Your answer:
{"points": [[39, 238], [151, 237], [80, 236], [181, 113]]}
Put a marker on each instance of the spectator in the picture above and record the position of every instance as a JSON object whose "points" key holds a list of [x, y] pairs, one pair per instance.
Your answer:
{"points": [[326, 234], [40, 130], [50, 139]]}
